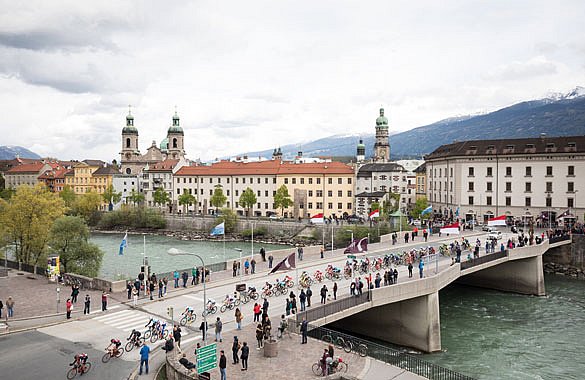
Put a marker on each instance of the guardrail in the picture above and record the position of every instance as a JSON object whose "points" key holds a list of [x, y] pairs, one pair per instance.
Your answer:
{"points": [[331, 307], [392, 356], [556, 239], [484, 259]]}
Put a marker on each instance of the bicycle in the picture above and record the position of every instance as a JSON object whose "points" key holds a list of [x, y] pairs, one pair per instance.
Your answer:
{"points": [[77, 368], [160, 333], [336, 366], [133, 342], [188, 319], [347, 345], [111, 354]]}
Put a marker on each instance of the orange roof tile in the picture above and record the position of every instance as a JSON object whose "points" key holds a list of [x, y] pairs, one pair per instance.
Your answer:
{"points": [[273, 167], [166, 165], [34, 167]]}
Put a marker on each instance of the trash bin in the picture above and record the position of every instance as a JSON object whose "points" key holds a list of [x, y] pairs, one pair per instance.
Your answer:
{"points": [[271, 348]]}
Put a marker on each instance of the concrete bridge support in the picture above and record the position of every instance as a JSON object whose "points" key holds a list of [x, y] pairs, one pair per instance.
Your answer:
{"points": [[413, 323], [524, 276]]}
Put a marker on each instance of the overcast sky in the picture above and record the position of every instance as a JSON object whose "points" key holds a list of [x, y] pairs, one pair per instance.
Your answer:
{"points": [[251, 75]]}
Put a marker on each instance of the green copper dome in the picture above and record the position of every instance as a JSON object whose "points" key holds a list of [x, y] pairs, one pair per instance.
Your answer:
{"points": [[175, 128], [164, 145], [130, 128], [382, 121], [361, 144]]}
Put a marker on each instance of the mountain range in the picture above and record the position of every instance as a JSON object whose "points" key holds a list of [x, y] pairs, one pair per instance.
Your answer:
{"points": [[555, 115], [8, 152]]}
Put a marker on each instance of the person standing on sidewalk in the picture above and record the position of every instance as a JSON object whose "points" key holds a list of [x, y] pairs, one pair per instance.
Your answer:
{"points": [[177, 335], [1, 307], [165, 283], [304, 328], [235, 349], [151, 289], [244, 356], [193, 276], [104, 301], [323, 294], [263, 254], [270, 259], [218, 328], [134, 297], [335, 290], [144, 351], [303, 299], [160, 288], [185, 277], [129, 289], [265, 307], [74, 293], [239, 318], [309, 294], [69, 306], [409, 269], [259, 336], [253, 265], [222, 365], [176, 277], [421, 266], [87, 303], [257, 312]]}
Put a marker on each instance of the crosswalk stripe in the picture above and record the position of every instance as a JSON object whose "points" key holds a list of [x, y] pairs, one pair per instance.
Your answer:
{"points": [[113, 315], [193, 297], [101, 311], [128, 322]]}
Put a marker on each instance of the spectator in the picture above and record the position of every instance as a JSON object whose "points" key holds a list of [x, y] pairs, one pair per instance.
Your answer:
{"points": [[218, 328], [169, 345], [186, 363], [104, 301], [86, 303], [235, 349], [177, 335], [259, 336], [176, 277], [253, 265], [244, 356], [222, 365], [323, 293], [144, 351], [185, 277]]}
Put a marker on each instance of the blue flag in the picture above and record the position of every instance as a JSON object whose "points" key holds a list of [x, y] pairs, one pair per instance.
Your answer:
{"points": [[427, 210], [123, 244], [457, 212], [219, 229]]}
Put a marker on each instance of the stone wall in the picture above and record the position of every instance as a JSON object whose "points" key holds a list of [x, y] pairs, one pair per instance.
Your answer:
{"points": [[567, 259]]}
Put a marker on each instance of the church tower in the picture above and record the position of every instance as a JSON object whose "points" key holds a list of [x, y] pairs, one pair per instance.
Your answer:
{"points": [[130, 152], [361, 151], [381, 146], [175, 136]]}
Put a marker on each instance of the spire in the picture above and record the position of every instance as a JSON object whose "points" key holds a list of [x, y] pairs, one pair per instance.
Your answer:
{"points": [[176, 118], [129, 118]]}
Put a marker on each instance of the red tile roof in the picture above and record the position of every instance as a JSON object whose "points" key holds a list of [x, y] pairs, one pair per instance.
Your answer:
{"points": [[163, 166], [273, 167], [26, 168]]}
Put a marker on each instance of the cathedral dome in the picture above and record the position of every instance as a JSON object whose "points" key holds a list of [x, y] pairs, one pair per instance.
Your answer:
{"points": [[164, 145], [130, 128], [382, 121]]}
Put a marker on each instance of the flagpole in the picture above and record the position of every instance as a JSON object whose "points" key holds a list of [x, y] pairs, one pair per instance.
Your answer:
{"points": [[331, 237]]}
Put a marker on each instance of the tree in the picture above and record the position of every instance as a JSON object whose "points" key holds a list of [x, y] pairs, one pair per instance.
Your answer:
{"points": [[218, 199], [27, 219], [136, 197], [111, 196], [419, 206], [69, 239], [68, 195], [186, 199], [161, 197], [248, 200], [282, 199], [87, 205], [7, 193], [229, 217]]}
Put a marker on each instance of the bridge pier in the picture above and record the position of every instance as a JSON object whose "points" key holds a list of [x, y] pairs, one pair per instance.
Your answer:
{"points": [[413, 323], [524, 276]]}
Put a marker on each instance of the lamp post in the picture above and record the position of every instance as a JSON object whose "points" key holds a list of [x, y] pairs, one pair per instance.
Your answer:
{"points": [[176, 252], [351, 231], [58, 298], [240, 268], [575, 206]]}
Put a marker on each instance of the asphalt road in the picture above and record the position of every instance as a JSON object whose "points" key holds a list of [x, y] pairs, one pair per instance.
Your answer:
{"points": [[34, 355]]}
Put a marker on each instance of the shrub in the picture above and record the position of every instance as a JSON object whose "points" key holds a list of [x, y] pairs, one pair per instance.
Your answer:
{"points": [[135, 217]]}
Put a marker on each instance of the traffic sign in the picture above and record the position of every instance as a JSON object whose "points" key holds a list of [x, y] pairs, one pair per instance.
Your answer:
{"points": [[206, 358], [351, 256]]}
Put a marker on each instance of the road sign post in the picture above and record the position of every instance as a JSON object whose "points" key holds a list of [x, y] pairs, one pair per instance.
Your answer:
{"points": [[206, 358]]}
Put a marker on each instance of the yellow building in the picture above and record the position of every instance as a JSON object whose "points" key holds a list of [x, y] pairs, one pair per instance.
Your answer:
{"points": [[103, 178], [421, 181], [81, 180]]}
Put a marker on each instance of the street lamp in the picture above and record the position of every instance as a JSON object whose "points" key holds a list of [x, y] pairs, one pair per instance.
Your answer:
{"points": [[58, 299], [240, 268], [351, 234], [176, 252]]}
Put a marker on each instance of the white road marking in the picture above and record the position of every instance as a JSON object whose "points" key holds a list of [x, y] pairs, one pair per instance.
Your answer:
{"points": [[193, 297], [113, 315]]}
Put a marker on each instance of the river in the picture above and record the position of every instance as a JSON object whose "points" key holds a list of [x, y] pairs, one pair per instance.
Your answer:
{"points": [[128, 265], [494, 335]]}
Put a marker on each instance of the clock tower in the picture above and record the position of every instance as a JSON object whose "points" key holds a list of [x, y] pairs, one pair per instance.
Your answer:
{"points": [[381, 146]]}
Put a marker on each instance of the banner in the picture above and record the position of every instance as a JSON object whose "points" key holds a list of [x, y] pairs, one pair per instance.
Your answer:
{"points": [[357, 246], [450, 229], [497, 221], [375, 214], [219, 229], [286, 264], [427, 210], [123, 244], [317, 219]]}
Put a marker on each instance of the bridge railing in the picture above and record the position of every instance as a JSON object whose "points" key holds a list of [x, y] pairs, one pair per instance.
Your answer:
{"points": [[391, 356], [556, 239], [332, 307], [483, 259]]}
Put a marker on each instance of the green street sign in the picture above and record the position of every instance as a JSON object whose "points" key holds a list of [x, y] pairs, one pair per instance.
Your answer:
{"points": [[351, 256], [206, 358]]}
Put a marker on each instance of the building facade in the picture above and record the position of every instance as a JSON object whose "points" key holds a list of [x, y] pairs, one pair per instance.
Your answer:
{"points": [[374, 182], [530, 179], [26, 174], [160, 176]]}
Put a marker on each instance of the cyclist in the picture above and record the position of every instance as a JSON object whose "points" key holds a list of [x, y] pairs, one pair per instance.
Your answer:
{"points": [[114, 346], [134, 336], [189, 312], [152, 323], [79, 359]]}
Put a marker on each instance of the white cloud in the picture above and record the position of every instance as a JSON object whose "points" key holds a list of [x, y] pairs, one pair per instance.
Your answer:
{"points": [[254, 75]]}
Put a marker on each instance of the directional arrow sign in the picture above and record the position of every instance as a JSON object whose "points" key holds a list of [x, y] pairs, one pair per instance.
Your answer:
{"points": [[206, 358], [351, 256]]}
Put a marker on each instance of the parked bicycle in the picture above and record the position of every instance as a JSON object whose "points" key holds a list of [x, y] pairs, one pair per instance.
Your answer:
{"points": [[347, 345], [334, 366]]}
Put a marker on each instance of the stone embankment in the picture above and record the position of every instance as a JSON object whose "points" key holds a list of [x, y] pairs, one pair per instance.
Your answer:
{"points": [[564, 270]]}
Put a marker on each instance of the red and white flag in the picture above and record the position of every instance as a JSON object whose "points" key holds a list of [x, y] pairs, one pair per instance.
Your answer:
{"points": [[317, 219], [450, 229], [497, 221], [375, 214]]}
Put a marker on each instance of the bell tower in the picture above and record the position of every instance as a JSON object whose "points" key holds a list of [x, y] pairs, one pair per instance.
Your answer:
{"points": [[175, 136], [381, 146], [130, 152]]}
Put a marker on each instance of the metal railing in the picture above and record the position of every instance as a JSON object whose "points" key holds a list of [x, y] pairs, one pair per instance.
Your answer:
{"points": [[556, 239], [392, 356], [215, 267], [332, 307], [484, 259]]}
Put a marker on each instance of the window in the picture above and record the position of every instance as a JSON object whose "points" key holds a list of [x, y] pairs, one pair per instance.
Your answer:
{"points": [[178, 180], [508, 201], [257, 181], [349, 205], [339, 206], [286, 181], [301, 206], [310, 193], [527, 201], [274, 180], [266, 182], [528, 187], [330, 181], [294, 181], [330, 206], [549, 187], [488, 201], [349, 193], [319, 193], [237, 180], [471, 171], [329, 193], [191, 179], [548, 202], [340, 194], [528, 171], [571, 171], [210, 180], [339, 182], [471, 200], [318, 181], [266, 194], [571, 187], [228, 192], [310, 205], [508, 187], [228, 179], [570, 202], [237, 193], [266, 205], [489, 171], [310, 181], [178, 191], [451, 172], [210, 192], [508, 171], [259, 193], [243, 180], [471, 186], [319, 205], [549, 171], [302, 181], [259, 205], [349, 181], [488, 186]]}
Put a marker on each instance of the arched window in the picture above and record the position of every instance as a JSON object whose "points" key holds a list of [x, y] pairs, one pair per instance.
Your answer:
{"points": [[174, 143], [128, 142], [128, 171]]}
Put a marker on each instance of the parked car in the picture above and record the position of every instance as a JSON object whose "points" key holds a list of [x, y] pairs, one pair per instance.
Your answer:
{"points": [[495, 235], [354, 219]]}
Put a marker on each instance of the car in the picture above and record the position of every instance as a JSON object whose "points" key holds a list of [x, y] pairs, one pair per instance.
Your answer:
{"points": [[495, 235], [417, 223], [354, 219], [486, 228], [275, 217]]}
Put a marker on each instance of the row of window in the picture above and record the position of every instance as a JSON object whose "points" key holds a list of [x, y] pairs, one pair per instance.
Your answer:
{"points": [[318, 193], [266, 180], [527, 187], [527, 201], [508, 171]]}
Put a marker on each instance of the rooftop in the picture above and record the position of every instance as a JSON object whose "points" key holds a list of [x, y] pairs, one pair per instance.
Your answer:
{"points": [[272, 167]]}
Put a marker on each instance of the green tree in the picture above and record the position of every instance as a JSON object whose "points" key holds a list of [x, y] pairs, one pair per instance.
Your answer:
{"points": [[161, 197], [68, 195], [418, 208], [111, 196], [229, 217], [7, 193], [27, 219], [135, 197], [248, 200], [218, 199], [69, 240], [282, 199], [186, 199], [87, 205]]}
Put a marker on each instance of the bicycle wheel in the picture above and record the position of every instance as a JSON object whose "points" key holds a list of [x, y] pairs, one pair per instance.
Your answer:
{"points": [[154, 338], [236, 302], [106, 357], [342, 367], [290, 284], [147, 334], [71, 373], [183, 321], [254, 296], [87, 367], [317, 369], [223, 308], [120, 352], [348, 346], [339, 342], [214, 310], [166, 334], [362, 350], [327, 339], [129, 346]]}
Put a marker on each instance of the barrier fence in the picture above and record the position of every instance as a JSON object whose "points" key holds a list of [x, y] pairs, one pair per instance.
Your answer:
{"points": [[484, 259], [331, 307], [556, 239]]}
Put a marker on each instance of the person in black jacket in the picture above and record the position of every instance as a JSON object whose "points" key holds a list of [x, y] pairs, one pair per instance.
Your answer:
{"points": [[186, 363], [169, 345], [177, 335], [244, 356], [222, 364]]}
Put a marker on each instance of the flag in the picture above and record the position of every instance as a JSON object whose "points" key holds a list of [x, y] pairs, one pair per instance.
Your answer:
{"points": [[375, 214], [450, 229], [497, 221], [427, 210], [317, 219], [565, 215], [457, 212], [123, 244], [357, 246], [219, 229], [286, 264]]}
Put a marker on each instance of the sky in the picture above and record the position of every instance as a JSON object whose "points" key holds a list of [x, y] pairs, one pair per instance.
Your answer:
{"points": [[253, 75]]}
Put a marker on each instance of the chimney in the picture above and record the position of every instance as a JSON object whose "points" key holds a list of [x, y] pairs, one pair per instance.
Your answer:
{"points": [[542, 135]]}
